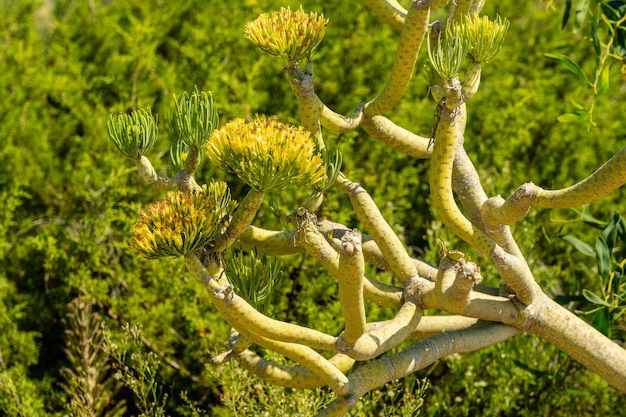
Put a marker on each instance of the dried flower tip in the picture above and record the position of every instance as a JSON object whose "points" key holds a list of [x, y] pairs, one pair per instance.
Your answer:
{"points": [[292, 35], [182, 223]]}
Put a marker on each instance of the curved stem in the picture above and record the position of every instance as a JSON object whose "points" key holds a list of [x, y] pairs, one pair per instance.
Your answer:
{"points": [[389, 11], [370, 216], [411, 39]]}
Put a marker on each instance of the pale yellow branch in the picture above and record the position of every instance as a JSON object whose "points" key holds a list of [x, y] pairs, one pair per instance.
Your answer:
{"points": [[389, 11], [604, 181], [368, 214], [432, 325], [398, 138], [578, 339], [411, 38], [418, 356], [248, 321], [298, 377], [384, 336], [350, 279]]}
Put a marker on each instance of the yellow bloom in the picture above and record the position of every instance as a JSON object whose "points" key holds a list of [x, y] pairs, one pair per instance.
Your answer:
{"points": [[485, 36], [293, 35], [266, 154], [182, 223]]}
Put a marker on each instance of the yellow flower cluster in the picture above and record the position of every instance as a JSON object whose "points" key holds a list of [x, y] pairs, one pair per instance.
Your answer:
{"points": [[182, 223], [292, 35], [485, 36], [266, 154]]}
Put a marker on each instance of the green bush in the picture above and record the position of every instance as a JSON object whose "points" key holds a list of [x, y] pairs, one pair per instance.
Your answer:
{"points": [[68, 203]]}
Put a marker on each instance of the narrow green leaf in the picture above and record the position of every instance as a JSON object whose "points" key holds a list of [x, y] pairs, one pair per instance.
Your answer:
{"points": [[570, 65], [594, 31], [573, 117], [603, 259], [581, 246], [588, 218], [594, 298], [609, 234]]}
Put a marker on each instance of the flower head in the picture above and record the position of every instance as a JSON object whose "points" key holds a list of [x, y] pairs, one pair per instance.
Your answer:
{"points": [[485, 36], [266, 154], [182, 223], [293, 35]]}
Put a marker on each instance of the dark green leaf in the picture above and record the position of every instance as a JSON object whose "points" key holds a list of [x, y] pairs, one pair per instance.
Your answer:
{"points": [[581, 246], [594, 32], [609, 234], [603, 258], [566, 13], [601, 321]]}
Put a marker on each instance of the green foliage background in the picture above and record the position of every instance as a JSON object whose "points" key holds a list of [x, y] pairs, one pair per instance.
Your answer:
{"points": [[68, 201]]}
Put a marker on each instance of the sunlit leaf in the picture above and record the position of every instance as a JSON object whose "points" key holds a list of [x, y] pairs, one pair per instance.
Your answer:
{"points": [[580, 14], [570, 65], [594, 298], [573, 117], [604, 80]]}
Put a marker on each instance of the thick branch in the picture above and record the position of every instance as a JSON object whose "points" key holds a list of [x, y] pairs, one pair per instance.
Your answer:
{"points": [[418, 356], [582, 342], [605, 180], [398, 138]]}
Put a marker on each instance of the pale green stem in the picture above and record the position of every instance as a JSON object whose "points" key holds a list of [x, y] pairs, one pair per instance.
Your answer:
{"points": [[432, 325], [308, 104], [455, 282], [459, 9], [148, 174], [350, 279], [604, 181], [472, 80], [268, 242], [578, 339]]}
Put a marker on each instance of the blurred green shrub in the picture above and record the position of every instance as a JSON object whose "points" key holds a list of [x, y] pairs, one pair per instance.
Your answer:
{"points": [[67, 206]]}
